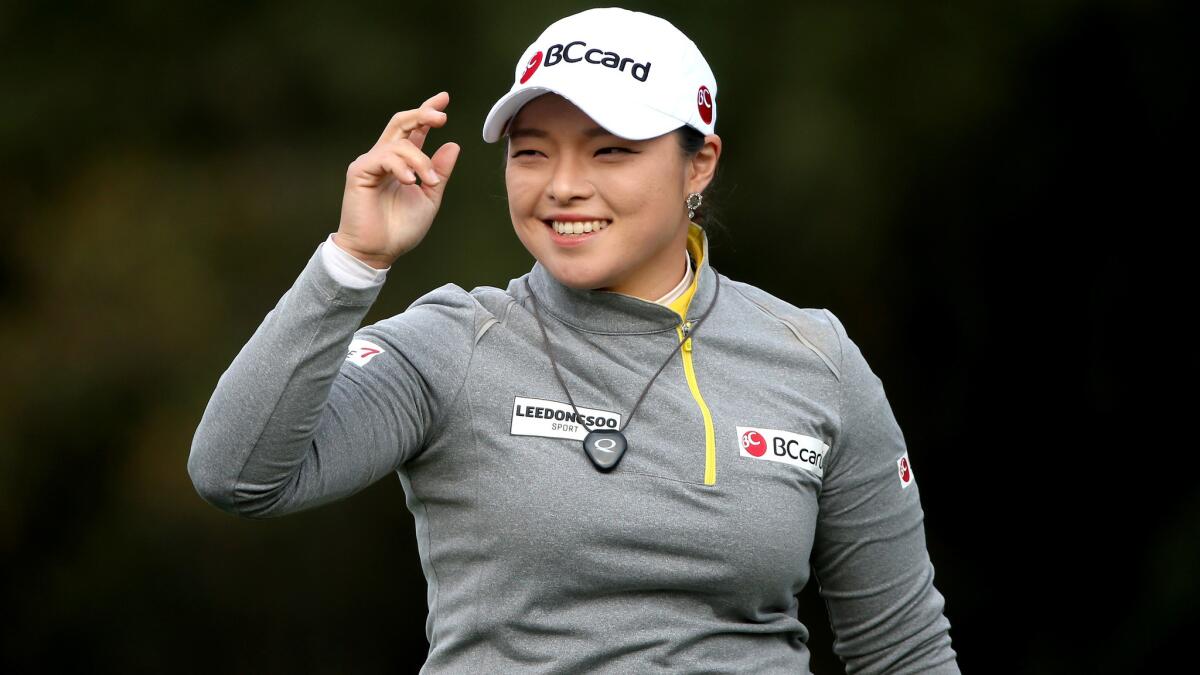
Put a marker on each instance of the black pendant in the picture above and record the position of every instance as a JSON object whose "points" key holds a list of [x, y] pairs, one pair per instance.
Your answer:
{"points": [[605, 447]]}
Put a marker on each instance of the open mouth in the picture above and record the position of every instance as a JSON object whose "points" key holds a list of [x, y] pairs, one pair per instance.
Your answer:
{"points": [[572, 228]]}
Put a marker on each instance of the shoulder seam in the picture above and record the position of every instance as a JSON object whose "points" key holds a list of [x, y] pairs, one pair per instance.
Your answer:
{"points": [[484, 328], [508, 308], [833, 322], [492, 320], [437, 423], [795, 330], [841, 407]]}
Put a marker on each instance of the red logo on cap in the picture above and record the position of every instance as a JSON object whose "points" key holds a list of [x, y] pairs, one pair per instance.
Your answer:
{"points": [[754, 443], [531, 67], [704, 102]]}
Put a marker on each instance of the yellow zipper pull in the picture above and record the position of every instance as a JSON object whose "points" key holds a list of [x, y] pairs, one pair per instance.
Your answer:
{"points": [[687, 336]]}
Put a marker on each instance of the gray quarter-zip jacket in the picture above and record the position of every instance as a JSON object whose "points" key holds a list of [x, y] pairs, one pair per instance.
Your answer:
{"points": [[765, 451]]}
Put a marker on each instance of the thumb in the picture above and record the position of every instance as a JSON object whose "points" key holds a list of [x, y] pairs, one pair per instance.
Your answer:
{"points": [[443, 163]]}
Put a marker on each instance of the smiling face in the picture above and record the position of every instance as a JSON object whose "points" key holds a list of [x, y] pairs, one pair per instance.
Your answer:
{"points": [[566, 172]]}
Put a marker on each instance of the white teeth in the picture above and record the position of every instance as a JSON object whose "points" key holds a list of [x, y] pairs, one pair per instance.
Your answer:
{"points": [[574, 227]]}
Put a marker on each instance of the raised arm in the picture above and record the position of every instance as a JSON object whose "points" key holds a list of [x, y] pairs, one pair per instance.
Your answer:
{"points": [[295, 422]]}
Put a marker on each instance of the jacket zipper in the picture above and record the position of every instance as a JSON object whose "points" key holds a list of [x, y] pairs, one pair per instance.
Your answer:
{"points": [[710, 448]]}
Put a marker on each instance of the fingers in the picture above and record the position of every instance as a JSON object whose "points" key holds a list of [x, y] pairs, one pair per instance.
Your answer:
{"points": [[417, 137], [373, 169], [404, 123], [417, 162], [444, 159], [397, 167], [404, 161], [398, 151]]}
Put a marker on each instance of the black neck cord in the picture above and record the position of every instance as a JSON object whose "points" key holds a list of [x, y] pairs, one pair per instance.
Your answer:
{"points": [[688, 334]]}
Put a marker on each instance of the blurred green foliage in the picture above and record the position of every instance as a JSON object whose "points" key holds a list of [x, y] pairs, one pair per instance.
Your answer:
{"points": [[167, 169]]}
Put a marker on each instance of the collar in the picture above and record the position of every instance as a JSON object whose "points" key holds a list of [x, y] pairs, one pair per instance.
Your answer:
{"points": [[607, 312], [685, 283]]}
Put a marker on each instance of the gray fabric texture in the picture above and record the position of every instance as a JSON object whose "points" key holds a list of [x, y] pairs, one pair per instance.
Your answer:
{"points": [[535, 561]]}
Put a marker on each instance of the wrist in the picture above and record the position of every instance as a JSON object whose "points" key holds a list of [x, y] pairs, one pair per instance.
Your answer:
{"points": [[378, 262]]}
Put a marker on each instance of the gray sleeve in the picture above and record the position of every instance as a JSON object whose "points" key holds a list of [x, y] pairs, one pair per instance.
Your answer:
{"points": [[295, 422], [869, 555]]}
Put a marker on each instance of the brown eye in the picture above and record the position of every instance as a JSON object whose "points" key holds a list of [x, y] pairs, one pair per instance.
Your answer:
{"points": [[613, 150]]}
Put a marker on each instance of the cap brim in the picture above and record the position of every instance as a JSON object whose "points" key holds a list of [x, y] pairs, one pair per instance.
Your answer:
{"points": [[634, 122]]}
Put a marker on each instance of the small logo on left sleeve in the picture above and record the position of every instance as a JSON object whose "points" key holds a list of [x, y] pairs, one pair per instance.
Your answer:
{"points": [[362, 351], [905, 471]]}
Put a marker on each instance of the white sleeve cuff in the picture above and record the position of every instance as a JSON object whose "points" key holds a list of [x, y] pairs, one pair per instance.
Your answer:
{"points": [[348, 270]]}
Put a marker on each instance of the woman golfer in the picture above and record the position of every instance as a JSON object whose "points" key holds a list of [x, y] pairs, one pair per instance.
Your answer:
{"points": [[623, 461]]}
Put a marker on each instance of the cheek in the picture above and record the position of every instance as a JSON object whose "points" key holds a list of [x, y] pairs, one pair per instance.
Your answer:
{"points": [[522, 195], [660, 181], [634, 189], [650, 193]]}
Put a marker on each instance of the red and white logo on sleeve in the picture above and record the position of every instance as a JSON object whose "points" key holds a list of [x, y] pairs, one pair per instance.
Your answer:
{"points": [[905, 471], [362, 351]]}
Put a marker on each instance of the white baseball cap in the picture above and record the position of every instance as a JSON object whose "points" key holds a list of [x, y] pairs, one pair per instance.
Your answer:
{"points": [[635, 74]]}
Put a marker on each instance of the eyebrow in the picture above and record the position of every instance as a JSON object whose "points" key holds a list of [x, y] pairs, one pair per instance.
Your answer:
{"points": [[518, 133], [538, 133]]}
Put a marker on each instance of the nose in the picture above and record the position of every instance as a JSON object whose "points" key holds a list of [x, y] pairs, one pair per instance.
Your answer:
{"points": [[569, 181]]}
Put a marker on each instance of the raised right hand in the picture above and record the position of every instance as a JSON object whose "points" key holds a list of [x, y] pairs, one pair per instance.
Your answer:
{"points": [[385, 213]]}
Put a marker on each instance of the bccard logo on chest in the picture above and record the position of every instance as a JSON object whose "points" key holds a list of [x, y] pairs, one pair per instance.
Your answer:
{"points": [[798, 450], [753, 442], [552, 419]]}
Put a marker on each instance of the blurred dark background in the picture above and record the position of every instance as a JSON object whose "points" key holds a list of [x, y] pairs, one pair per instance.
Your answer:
{"points": [[989, 195]]}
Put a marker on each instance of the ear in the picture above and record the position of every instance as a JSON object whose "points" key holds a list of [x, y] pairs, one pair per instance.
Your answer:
{"points": [[703, 165]]}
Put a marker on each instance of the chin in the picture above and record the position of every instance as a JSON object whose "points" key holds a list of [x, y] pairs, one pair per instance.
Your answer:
{"points": [[577, 272], [575, 279]]}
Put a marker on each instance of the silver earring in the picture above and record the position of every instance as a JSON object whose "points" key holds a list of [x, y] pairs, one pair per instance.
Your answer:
{"points": [[693, 203]]}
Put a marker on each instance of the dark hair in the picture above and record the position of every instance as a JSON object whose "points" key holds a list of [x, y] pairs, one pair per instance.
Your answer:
{"points": [[691, 141]]}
